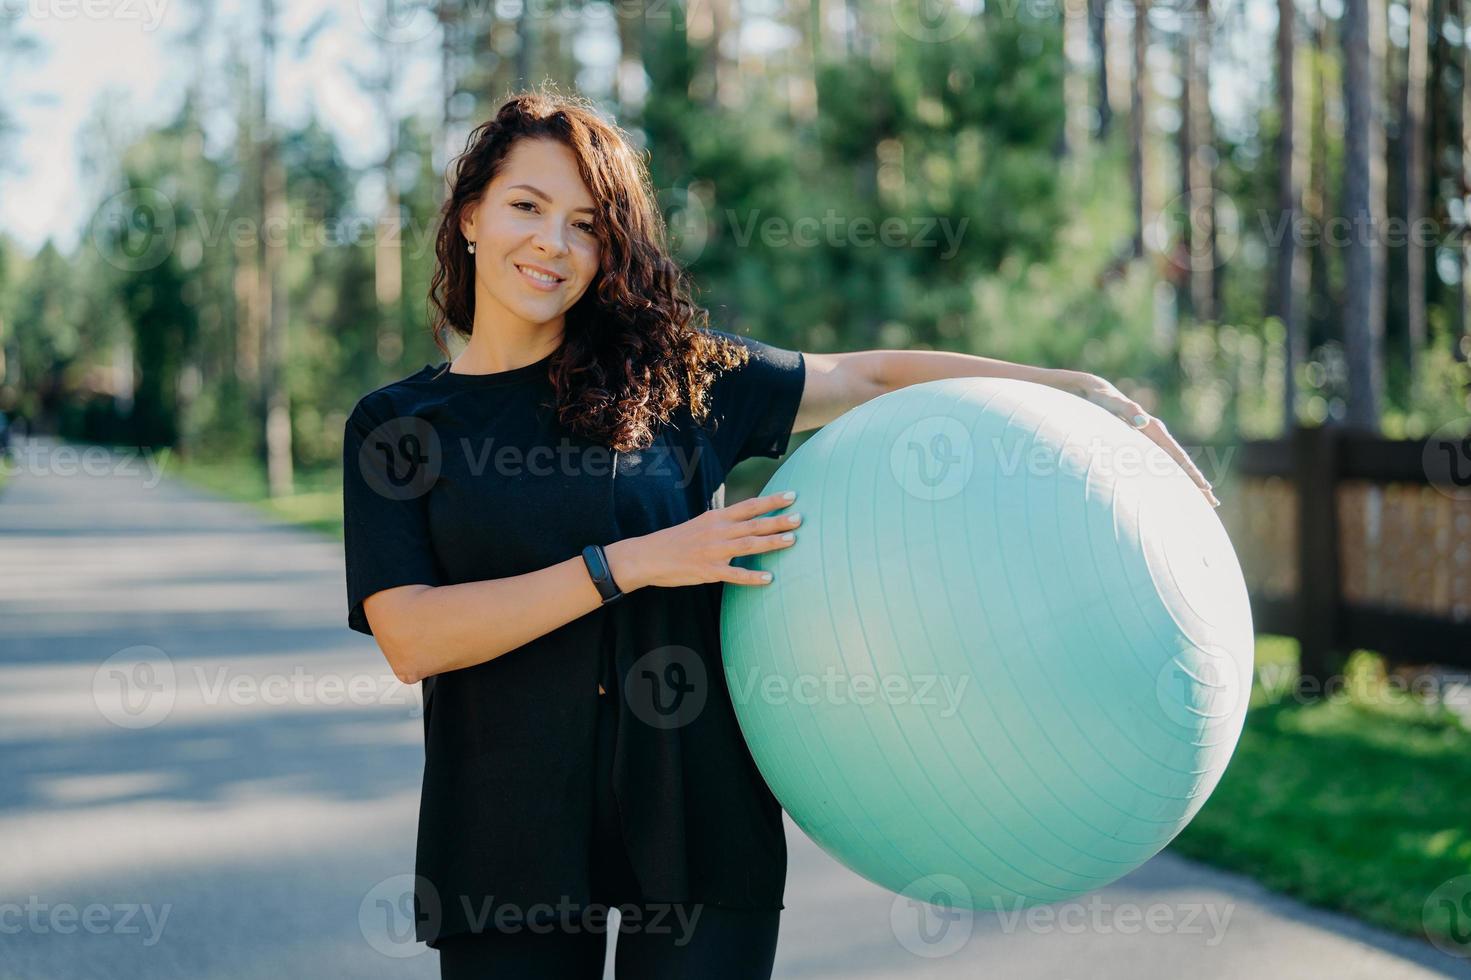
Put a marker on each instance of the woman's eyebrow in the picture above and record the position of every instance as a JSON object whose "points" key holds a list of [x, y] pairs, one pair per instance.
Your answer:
{"points": [[542, 194]]}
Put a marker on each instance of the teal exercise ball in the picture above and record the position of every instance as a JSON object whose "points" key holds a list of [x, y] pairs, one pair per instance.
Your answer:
{"points": [[1009, 655]]}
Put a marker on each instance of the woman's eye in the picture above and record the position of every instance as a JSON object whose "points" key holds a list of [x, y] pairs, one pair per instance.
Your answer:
{"points": [[585, 226]]}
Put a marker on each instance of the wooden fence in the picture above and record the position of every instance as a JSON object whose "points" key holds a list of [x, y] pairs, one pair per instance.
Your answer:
{"points": [[1351, 541]]}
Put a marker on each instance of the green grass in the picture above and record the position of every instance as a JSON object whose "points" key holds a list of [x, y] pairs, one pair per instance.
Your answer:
{"points": [[316, 502], [1360, 803]]}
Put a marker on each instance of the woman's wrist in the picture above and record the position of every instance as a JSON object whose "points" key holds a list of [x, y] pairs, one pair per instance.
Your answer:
{"points": [[624, 565], [1060, 378]]}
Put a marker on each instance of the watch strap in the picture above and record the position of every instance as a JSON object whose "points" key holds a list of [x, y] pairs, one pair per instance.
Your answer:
{"points": [[596, 560]]}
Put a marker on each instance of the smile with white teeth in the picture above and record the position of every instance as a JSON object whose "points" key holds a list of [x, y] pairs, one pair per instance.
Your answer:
{"points": [[539, 276]]}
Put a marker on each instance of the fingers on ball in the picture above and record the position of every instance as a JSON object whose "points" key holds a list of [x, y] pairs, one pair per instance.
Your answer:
{"points": [[737, 575], [769, 525], [754, 543]]}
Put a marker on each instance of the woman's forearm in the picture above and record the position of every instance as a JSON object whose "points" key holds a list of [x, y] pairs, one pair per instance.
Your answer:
{"points": [[901, 368], [442, 628]]}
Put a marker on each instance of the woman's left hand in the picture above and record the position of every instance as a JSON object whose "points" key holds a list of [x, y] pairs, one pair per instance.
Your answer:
{"points": [[1101, 392]]}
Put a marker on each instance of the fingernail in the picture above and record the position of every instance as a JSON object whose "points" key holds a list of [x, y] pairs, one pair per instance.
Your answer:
{"points": [[789, 536], [789, 495], [766, 576]]}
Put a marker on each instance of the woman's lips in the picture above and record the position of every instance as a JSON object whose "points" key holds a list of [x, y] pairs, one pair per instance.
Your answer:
{"points": [[546, 287]]}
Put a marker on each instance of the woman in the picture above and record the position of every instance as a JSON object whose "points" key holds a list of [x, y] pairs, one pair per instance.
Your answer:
{"points": [[537, 531]]}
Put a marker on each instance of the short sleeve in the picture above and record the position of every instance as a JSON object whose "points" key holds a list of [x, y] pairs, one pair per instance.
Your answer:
{"points": [[753, 407], [385, 527]]}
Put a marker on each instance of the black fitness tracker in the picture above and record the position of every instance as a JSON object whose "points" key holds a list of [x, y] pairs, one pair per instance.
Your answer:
{"points": [[602, 575]]}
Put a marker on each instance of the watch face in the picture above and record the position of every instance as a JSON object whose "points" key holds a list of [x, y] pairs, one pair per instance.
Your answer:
{"points": [[602, 576]]}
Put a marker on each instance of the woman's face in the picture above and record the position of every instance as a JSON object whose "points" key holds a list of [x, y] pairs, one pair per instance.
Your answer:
{"points": [[537, 212]]}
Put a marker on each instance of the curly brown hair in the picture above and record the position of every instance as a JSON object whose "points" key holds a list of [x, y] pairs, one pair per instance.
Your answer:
{"points": [[635, 348]]}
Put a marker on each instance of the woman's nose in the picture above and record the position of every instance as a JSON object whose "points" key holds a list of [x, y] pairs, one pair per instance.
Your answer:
{"points": [[553, 239]]}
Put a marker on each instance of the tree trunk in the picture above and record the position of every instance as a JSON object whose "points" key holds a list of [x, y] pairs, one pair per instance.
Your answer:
{"points": [[1137, 108], [1442, 135], [1184, 153], [726, 68], [278, 395], [274, 227], [526, 38], [388, 241], [1363, 207], [1321, 318], [1075, 80], [449, 84], [1462, 347], [1414, 135], [249, 301], [1202, 169], [1098, 29], [629, 86], [1287, 281], [801, 79]]}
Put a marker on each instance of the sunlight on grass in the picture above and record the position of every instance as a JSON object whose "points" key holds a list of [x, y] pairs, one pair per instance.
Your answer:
{"points": [[316, 504], [1358, 802]]}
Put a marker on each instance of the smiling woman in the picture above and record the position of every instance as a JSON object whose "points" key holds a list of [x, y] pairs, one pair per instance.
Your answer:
{"points": [[536, 530]]}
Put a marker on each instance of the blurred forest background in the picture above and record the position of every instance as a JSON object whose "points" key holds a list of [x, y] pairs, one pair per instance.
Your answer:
{"points": [[1245, 213]]}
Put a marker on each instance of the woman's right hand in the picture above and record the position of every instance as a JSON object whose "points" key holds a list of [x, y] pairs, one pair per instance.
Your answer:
{"points": [[700, 549]]}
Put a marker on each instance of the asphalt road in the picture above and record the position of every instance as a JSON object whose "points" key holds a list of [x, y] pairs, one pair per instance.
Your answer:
{"points": [[204, 774]]}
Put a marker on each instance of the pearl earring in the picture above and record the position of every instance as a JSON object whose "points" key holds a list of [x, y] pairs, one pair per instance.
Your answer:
{"points": [[470, 247]]}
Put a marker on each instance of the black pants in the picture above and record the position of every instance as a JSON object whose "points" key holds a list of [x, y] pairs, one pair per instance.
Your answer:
{"points": [[708, 943], [656, 940]]}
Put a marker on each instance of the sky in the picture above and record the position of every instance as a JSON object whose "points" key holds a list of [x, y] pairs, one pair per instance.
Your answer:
{"points": [[50, 92], [130, 59]]}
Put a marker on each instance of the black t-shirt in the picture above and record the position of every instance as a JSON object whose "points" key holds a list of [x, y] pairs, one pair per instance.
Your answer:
{"points": [[451, 478]]}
